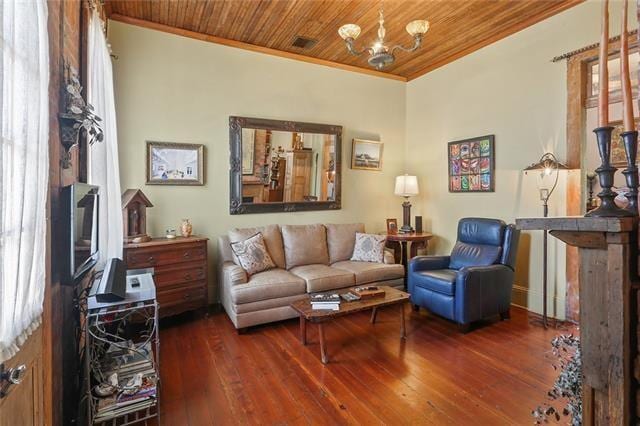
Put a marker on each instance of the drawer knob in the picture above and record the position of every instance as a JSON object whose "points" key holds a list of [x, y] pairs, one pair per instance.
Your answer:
{"points": [[186, 255], [187, 276], [151, 259], [186, 296]]}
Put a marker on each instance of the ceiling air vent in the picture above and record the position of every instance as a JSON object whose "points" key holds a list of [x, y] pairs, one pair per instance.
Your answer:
{"points": [[303, 42]]}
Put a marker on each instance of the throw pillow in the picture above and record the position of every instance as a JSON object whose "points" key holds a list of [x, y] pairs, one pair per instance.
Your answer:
{"points": [[369, 248], [341, 239], [305, 245], [253, 255]]}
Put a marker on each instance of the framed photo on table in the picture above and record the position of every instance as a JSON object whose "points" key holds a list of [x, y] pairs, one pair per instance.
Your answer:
{"points": [[392, 226], [171, 163], [472, 164]]}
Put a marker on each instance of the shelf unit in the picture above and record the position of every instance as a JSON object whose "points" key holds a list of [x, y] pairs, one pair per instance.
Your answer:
{"points": [[130, 325]]}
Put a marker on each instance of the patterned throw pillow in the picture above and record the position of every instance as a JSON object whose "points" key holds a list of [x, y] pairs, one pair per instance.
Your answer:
{"points": [[253, 255], [369, 248]]}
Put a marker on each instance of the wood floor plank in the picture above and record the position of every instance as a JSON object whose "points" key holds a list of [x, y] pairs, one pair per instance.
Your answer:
{"points": [[316, 406], [438, 388], [493, 375]]}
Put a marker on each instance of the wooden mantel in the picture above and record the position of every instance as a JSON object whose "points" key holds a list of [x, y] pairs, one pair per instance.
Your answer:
{"points": [[608, 250]]}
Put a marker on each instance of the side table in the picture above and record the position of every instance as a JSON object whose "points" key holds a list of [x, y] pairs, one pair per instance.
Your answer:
{"points": [[400, 242]]}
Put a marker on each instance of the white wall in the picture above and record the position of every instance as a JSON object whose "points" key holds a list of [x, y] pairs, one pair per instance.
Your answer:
{"points": [[513, 90], [171, 88]]}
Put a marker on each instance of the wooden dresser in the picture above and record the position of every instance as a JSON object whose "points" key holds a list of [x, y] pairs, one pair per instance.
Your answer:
{"points": [[180, 271]]}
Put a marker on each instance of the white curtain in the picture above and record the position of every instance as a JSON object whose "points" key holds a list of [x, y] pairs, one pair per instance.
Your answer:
{"points": [[24, 169], [103, 156]]}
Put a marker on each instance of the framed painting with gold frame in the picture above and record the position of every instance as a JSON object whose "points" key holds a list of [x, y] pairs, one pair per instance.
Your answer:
{"points": [[618, 156], [171, 163], [366, 155]]}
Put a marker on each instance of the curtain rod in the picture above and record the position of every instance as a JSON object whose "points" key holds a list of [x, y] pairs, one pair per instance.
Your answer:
{"points": [[589, 47]]}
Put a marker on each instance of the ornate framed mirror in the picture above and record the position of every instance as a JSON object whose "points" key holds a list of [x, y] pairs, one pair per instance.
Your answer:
{"points": [[283, 166]]}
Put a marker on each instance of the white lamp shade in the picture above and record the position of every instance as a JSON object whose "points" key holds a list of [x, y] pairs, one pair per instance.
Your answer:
{"points": [[406, 186]]}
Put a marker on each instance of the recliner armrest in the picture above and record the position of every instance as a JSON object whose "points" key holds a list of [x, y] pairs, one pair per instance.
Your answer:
{"points": [[428, 263], [233, 274], [482, 291]]}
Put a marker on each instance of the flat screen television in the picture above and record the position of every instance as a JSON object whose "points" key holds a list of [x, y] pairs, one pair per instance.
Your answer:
{"points": [[81, 204]]}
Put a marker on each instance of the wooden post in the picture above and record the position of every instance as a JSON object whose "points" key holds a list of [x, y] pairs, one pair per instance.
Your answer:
{"points": [[608, 249]]}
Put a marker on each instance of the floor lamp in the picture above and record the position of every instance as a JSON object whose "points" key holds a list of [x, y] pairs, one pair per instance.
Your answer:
{"points": [[549, 168]]}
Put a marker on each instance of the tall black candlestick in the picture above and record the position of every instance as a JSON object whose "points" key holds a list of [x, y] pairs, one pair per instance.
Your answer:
{"points": [[606, 172]]}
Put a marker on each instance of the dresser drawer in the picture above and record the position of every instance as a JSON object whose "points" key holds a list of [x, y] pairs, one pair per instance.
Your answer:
{"points": [[182, 299], [154, 256], [179, 274]]}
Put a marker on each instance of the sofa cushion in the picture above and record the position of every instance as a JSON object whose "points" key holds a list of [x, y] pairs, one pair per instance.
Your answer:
{"points": [[305, 245], [253, 255], [323, 277], [269, 284], [341, 238], [272, 239], [441, 281], [464, 254], [367, 272], [369, 248]]}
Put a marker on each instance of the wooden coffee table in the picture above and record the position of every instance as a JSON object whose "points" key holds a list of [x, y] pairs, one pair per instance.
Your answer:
{"points": [[303, 307]]}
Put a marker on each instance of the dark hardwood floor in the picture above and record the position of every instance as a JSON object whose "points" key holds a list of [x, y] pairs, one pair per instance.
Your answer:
{"points": [[493, 375]]}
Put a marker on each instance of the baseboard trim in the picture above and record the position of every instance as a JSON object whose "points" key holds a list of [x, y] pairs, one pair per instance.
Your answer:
{"points": [[520, 297]]}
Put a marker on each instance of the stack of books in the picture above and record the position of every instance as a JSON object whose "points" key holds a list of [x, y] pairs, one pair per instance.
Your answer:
{"points": [[128, 363], [325, 301], [127, 402]]}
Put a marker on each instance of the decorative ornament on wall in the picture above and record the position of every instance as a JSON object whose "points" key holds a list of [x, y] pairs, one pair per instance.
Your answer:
{"points": [[472, 165], [77, 116]]}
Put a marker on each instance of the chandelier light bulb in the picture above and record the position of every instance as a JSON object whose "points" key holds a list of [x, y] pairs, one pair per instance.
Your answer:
{"points": [[349, 31], [417, 27]]}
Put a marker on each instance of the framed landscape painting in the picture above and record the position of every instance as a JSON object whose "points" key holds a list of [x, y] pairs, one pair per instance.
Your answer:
{"points": [[175, 163], [472, 165], [366, 155]]}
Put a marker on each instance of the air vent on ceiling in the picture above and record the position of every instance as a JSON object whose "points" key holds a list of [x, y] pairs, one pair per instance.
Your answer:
{"points": [[303, 42]]}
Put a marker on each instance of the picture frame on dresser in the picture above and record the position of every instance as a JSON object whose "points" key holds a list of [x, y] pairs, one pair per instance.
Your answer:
{"points": [[180, 271]]}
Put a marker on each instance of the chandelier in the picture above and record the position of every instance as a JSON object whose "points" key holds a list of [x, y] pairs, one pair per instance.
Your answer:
{"points": [[380, 54]]}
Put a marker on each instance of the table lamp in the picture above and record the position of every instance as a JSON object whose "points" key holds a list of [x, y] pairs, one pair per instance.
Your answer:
{"points": [[406, 186]]}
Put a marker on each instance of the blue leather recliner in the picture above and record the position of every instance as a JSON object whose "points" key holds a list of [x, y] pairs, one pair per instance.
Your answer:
{"points": [[475, 281]]}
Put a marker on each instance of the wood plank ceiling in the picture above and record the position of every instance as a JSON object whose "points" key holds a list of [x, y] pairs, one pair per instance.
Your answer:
{"points": [[457, 27]]}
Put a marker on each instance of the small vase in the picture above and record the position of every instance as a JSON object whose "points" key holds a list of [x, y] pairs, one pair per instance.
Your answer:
{"points": [[186, 228]]}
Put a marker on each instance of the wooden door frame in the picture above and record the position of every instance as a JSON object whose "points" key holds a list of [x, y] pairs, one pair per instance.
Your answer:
{"points": [[577, 80]]}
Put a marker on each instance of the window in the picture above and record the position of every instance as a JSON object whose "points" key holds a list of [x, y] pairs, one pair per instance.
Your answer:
{"points": [[24, 169], [615, 84]]}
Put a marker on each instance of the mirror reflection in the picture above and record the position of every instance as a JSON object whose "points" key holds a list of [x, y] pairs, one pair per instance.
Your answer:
{"points": [[284, 167]]}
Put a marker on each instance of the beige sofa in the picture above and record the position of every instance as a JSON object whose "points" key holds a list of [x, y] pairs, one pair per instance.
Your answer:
{"points": [[309, 259]]}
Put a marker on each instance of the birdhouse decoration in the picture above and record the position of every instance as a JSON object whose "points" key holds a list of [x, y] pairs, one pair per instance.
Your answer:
{"points": [[134, 216]]}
